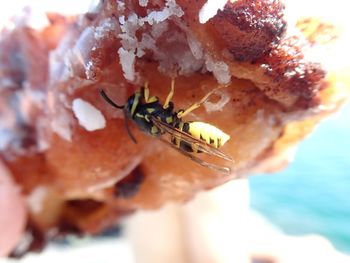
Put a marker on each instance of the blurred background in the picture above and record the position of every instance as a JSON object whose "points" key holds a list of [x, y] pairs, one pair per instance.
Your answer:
{"points": [[310, 197]]}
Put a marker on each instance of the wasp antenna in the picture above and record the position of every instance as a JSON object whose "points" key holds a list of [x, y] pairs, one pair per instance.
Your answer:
{"points": [[111, 102], [128, 130]]}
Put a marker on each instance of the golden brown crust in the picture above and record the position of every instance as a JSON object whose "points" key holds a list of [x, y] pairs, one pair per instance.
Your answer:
{"points": [[92, 178], [250, 29], [276, 62], [293, 74]]}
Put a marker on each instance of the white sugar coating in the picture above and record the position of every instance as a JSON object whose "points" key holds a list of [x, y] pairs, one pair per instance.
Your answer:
{"points": [[61, 125], [188, 63], [88, 115], [127, 60], [209, 9], [147, 42], [158, 29], [122, 20], [143, 2], [219, 105], [132, 47], [107, 26], [121, 6], [83, 46], [220, 70], [174, 8], [158, 16], [129, 44], [171, 8], [130, 25], [195, 46], [181, 49]]}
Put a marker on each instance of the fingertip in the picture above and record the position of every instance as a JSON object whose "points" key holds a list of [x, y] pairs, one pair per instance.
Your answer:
{"points": [[12, 212]]}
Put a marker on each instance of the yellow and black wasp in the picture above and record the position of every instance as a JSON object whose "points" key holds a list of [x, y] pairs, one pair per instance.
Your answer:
{"points": [[187, 137]]}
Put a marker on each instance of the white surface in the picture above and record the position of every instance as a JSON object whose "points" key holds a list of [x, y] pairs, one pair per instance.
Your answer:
{"points": [[62, 6], [209, 9], [109, 250], [88, 115], [36, 198]]}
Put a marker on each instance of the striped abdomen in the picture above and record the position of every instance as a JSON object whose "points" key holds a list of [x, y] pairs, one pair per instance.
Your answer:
{"points": [[201, 131]]}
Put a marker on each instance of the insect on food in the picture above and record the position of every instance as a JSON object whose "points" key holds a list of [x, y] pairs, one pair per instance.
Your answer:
{"points": [[187, 137]]}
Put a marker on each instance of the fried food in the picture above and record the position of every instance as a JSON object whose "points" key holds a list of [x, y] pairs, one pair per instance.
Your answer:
{"points": [[69, 149]]}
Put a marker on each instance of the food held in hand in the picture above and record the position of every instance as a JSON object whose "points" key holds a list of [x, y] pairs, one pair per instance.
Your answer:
{"points": [[270, 81]]}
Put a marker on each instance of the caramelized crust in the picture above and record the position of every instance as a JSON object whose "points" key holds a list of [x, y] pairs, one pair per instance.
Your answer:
{"points": [[294, 78], [257, 47], [250, 29], [274, 94]]}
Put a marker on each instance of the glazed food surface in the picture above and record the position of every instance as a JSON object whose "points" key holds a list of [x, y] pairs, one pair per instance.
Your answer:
{"points": [[273, 94]]}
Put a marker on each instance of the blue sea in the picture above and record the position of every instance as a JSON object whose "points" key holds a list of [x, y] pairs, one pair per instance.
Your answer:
{"points": [[312, 196]]}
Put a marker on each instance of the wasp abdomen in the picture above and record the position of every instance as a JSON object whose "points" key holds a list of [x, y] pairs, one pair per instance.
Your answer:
{"points": [[201, 131]]}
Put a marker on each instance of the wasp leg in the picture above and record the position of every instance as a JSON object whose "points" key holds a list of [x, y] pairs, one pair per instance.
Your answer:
{"points": [[145, 92], [196, 105], [170, 95]]}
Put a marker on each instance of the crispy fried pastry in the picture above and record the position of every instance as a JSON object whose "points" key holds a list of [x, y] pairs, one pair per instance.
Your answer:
{"points": [[69, 149]]}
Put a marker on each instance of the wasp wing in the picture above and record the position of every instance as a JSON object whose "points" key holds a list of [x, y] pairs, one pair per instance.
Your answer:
{"points": [[183, 136], [217, 168]]}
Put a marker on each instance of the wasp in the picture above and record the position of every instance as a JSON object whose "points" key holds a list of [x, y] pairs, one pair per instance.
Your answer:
{"points": [[187, 137]]}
